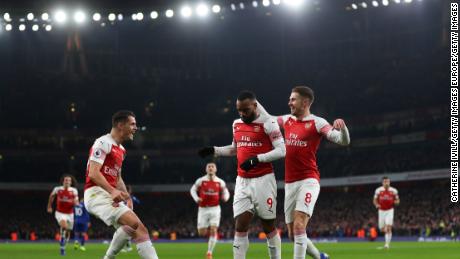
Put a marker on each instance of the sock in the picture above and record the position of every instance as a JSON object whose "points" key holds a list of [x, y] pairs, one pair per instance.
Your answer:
{"points": [[274, 245], [212, 243], [240, 245], [82, 239], [300, 246], [145, 248], [387, 238], [312, 250], [121, 236]]}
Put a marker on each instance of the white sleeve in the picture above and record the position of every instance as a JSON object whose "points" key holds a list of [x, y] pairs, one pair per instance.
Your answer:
{"points": [[280, 119], [75, 191], [194, 190], [376, 194], [54, 191], [341, 137], [225, 192], [229, 150], [99, 151], [279, 149]]}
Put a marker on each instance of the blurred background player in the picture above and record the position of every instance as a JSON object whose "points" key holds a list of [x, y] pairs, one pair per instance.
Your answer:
{"points": [[303, 132], [257, 141], [385, 198], [135, 200], [67, 198], [105, 190], [207, 191], [81, 225]]}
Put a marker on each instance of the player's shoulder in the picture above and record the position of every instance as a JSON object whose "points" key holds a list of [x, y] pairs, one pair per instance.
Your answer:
{"points": [[379, 189], [200, 179], [220, 180], [73, 189], [393, 190], [58, 188], [104, 142]]}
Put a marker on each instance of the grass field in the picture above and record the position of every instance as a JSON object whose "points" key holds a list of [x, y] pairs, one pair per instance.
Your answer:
{"points": [[257, 250]]}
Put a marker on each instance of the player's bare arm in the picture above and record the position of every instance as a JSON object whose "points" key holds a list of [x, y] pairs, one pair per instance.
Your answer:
{"points": [[96, 176], [50, 202]]}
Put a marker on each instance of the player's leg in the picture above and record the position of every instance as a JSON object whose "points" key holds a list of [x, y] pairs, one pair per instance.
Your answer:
{"points": [[243, 211], [63, 233], [388, 221], [77, 238], [266, 193], [214, 221]]}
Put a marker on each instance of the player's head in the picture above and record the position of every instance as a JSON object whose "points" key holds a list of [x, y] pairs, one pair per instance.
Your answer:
{"points": [[300, 100], [211, 168], [68, 180], [124, 122], [386, 182], [246, 106]]}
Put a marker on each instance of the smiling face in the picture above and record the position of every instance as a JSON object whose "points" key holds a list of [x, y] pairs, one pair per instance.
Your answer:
{"points": [[128, 128], [298, 104], [247, 110]]}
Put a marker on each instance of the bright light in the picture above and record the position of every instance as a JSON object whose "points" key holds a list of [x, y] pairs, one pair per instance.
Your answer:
{"points": [[169, 13], [140, 16], [276, 2], [397, 1], [22, 27], [48, 27], [30, 16], [134, 16], [120, 17], [385, 2], [45, 16], [293, 2], [35, 27], [8, 27], [266, 3], [354, 6], [375, 3], [408, 1], [216, 8], [364, 5], [255, 4], [112, 17], [97, 17], [79, 17], [7, 17], [241, 5], [60, 16], [202, 10], [233, 7], [186, 11], [154, 14]]}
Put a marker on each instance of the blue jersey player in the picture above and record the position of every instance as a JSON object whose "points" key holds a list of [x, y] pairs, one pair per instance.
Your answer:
{"points": [[81, 225]]}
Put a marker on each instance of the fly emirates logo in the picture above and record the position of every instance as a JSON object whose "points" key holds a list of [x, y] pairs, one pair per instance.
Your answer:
{"points": [[245, 141], [294, 141], [112, 171]]}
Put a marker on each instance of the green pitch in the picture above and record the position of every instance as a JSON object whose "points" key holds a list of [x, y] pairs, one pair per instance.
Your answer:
{"points": [[366, 250]]}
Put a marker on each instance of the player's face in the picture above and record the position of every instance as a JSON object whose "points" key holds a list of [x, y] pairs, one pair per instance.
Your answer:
{"points": [[247, 110], [67, 182], [211, 168], [298, 104], [386, 183], [129, 128]]}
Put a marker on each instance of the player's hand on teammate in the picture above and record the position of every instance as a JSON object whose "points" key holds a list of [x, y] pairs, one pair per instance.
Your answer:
{"points": [[338, 124], [249, 163], [206, 151]]}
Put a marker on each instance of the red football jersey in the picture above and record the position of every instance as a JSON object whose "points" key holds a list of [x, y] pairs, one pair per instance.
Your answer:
{"points": [[65, 199], [209, 191], [253, 139], [106, 152], [386, 198], [302, 139]]}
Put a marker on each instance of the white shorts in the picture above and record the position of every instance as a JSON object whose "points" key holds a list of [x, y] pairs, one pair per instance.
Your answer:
{"points": [[98, 202], [68, 218], [385, 217], [208, 216], [300, 196], [256, 195]]}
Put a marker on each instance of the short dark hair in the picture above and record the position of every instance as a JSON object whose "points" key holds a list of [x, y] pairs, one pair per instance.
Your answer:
{"points": [[74, 181], [385, 177], [246, 95], [305, 92], [121, 116]]}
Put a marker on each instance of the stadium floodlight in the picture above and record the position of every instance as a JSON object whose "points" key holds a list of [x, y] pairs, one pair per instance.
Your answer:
{"points": [[276, 2], [216, 8], [169, 13], [134, 16], [140, 16], [97, 17], [79, 17], [385, 2], [154, 14], [8, 27], [35, 27], [30, 16], [202, 10], [242, 6], [266, 3], [112, 17], [45, 16], [48, 27], [60, 16], [255, 4], [375, 3], [408, 1], [293, 3], [397, 1], [233, 7], [186, 11], [120, 17], [22, 27], [364, 5], [354, 6], [7, 17]]}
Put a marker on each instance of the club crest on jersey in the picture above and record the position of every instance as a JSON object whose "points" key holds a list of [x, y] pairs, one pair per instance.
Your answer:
{"points": [[307, 125], [256, 128]]}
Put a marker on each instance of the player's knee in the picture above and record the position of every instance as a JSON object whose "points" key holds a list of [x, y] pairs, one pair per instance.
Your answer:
{"points": [[299, 226], [202, 232]]}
